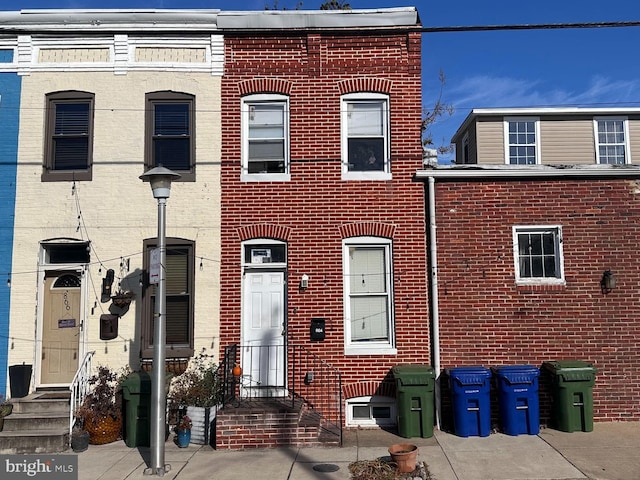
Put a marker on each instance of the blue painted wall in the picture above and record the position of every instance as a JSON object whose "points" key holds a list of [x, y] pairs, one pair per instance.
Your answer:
{"points": [[10, 85]]}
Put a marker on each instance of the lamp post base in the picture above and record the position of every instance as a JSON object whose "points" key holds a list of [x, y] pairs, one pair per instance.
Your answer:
{"points": [[157, 471]]}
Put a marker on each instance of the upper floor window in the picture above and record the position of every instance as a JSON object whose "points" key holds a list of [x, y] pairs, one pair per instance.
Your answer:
{"points": [[611, 140], [538, 254], [180, 284], [170, 133], [465, 149], [522, 141], [365, 137], [368, 296], [265, 138], [69, 136]]}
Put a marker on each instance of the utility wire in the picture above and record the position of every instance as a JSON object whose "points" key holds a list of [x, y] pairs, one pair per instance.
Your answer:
{"points": [[532, 26]]}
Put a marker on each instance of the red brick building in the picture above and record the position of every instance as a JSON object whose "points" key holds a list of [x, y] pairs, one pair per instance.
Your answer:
{"points": [[540, 204], [323, 227]]}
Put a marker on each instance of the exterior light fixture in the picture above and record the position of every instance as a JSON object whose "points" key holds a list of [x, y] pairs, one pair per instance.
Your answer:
{"points": [[160, 179]]}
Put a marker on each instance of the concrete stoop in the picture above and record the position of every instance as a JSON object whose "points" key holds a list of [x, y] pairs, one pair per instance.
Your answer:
{"points": [[39, 423]]}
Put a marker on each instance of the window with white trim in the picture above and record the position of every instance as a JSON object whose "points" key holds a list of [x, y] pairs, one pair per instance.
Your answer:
{"points": [[371, 411], [365, 136], [538, 254], [522, 140], [611, 140], [265, 137], [368, 296]]}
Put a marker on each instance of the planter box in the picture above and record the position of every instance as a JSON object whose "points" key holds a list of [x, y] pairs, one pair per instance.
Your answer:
{"points": [[202, 418]]}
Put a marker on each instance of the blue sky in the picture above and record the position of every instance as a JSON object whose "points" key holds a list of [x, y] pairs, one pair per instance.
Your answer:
{"points": [[531, 68]]}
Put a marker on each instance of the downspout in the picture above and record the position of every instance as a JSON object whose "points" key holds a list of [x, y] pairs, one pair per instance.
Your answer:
{"points": [[435, 321]]}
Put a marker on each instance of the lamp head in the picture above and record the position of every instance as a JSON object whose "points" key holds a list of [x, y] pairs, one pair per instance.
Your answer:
{"points": [[160, 179]]}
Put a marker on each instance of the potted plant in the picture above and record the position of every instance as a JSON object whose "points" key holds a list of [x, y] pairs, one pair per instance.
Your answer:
{"points": [[6, 407], [79, 436], [200, 390], [101, 410], [183, 431]]}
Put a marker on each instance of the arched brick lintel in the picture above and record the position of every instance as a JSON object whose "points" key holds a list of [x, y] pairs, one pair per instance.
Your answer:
{"points": [[368, 229], [369, 389], [365, 84], [265, 85], [264, 230]]}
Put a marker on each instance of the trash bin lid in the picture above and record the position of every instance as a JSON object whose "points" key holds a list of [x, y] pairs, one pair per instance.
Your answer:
{"points": [[413, 374], [516, 374], [470, 375], [572, 370]]}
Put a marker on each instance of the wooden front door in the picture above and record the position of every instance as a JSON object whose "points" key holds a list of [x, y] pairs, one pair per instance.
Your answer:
{"points": [[60, 328]]}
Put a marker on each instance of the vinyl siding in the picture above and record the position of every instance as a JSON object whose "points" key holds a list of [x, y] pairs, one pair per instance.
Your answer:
{"points": [[567, 142], [490, 141]]}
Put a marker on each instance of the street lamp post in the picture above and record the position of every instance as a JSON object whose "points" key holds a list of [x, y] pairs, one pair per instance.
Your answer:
{"points": [[160, 179]]}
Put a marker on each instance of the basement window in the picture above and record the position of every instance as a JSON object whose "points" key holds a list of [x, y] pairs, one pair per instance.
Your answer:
{"points": [[371, 411]]}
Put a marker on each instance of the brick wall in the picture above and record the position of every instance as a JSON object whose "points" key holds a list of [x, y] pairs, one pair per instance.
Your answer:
{"points": [[486, 320], [314, 208]]}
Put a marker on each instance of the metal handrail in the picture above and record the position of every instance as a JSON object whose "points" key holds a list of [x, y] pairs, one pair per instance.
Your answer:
{"points": [[79, 388], [320, 385], [308, 378]]}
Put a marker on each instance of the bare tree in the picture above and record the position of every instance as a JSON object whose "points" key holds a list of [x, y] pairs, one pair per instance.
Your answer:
{"points": [[335, 5], [432, 115], [274, 5]]}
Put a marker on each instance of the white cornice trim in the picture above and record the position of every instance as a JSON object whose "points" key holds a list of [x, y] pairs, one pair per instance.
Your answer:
{"points": [[530, 172]]}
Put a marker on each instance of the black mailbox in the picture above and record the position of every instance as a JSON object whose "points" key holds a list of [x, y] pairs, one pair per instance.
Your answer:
{"points": [[317, 328], [108, 326]]}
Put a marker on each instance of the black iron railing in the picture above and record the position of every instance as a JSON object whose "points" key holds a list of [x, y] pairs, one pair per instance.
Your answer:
{"points": [[300, 375]]}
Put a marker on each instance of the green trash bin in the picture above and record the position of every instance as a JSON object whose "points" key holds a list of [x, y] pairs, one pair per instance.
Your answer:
{"points": [[572, 393], [414, 396], [136, 392]]}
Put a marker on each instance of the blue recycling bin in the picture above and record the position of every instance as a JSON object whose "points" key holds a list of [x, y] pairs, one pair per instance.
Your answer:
{"points": [[517, 387], [470, 387]]}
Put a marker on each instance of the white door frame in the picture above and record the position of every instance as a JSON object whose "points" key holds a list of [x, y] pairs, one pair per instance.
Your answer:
{"points": [[255, 266]]}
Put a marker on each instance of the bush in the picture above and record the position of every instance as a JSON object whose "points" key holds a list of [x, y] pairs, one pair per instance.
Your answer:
{"points": [[201, 385]]}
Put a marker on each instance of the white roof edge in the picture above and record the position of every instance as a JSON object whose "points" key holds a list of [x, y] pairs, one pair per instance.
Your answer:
{"points": [[537, 111], [105, 19], [527, 171], [284, 19], [114, 19]]}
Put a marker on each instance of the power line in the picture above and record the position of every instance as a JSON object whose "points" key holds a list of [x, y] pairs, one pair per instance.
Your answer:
{"points": [[532, 26]]}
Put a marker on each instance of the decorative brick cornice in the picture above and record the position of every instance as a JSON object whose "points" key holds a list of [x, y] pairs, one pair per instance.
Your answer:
{"points": [[265, 85], [365, 84], [264, 230], [369, 229]]}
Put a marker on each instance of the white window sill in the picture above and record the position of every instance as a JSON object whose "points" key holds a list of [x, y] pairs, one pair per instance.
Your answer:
{"points": [[366, 176], [265, 177], [370, 350]]}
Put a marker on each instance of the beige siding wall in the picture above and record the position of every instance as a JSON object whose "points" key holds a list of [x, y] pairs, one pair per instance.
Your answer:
{"points": [[117, 208], [634, 140], [490, 141], [567, 142]]}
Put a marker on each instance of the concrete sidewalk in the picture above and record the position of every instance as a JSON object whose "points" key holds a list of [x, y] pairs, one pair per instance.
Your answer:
{"points": [[610, 452]]}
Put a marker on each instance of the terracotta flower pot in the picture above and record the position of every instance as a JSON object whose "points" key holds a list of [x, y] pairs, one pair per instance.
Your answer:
{"points": [[404, 455]]}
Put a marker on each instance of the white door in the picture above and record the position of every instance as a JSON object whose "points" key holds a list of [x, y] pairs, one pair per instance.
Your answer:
{"points": [[263, 334]]}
